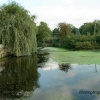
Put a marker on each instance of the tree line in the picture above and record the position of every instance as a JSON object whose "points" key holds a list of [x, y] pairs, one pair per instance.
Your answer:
{"points": [[21, 35], [70, 37]]}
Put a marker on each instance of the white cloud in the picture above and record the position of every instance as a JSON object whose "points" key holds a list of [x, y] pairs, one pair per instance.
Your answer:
{"points": [[68, 1], [55, 14], [75, 12]]}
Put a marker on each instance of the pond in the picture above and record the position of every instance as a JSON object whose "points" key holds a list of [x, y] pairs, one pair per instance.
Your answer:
{"points": [[42, 78]]}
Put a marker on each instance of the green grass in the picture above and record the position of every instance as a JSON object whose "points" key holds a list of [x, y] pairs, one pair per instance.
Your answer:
{"points": [[74, 57]]}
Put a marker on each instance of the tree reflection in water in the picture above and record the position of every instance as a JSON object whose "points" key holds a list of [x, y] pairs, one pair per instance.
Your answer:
{"points": [[19, 76], [42, 59], [64, 67]]}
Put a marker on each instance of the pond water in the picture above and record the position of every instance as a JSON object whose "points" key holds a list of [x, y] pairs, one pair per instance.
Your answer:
{"points": [[41, 78]]}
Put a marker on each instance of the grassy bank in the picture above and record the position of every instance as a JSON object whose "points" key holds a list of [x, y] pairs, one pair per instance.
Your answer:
{"points": [[81, 57]]}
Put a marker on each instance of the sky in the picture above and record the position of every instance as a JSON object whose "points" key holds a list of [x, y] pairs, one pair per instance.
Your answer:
{"points": [[52, 12]]}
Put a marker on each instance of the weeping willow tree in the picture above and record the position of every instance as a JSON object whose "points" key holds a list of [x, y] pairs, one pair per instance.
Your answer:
{"points": [[17, 30]]}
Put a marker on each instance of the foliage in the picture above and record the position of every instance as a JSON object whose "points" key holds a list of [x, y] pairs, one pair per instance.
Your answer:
{"points": [[55, 42], [62, 35], [83, 45], [55, 32], [87, 28], [17, 30], [98, 38], [77, 42], [44, 34], [70, 42], [64, 29], [91, 28], [74, 30]]}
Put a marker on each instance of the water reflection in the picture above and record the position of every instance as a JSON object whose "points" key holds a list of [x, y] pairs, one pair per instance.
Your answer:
{"points": [[58, 85], [43, 58], [65, 67], [18, 76], [95, 68], [21, 78]]}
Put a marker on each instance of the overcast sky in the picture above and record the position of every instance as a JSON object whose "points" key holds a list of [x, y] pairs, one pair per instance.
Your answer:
{"points": [[75, 12]]}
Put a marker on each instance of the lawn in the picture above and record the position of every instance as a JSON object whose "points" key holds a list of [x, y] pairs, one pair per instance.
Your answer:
{"points": [[74, 57]]}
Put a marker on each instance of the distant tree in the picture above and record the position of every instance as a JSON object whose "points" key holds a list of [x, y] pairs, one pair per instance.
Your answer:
{"points": [[44, 34], [87, 28], [90, 28], [61, 33], [74, 30], [96, 27], [17, 30], [64, 29], [68, 29], [55, 32]]}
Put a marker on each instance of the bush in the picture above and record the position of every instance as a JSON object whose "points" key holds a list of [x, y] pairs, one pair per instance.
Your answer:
{"points": [[78, 42], [70, 43], [55, 42], [83, 45], [97, 39]]}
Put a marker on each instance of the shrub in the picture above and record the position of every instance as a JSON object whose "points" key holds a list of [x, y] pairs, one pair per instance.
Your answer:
{"points": [[78, 42], [83, 45], [97, 39], [70, 43]]}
